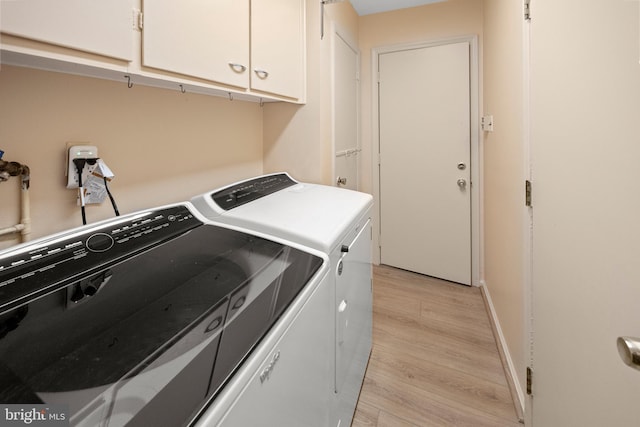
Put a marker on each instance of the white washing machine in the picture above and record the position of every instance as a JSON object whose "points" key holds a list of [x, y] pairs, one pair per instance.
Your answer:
{"points": [[157, 317], [331, 220]]}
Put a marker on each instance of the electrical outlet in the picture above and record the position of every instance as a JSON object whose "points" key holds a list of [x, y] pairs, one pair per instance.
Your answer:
{"points": [[79, 152]]}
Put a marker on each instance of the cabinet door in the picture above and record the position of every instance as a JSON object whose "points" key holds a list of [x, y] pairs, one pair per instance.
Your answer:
{"points": [[204, 39], [293, 386], [277, 47], [96, 26]]}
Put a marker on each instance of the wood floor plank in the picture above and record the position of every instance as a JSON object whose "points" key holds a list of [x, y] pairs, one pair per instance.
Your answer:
{"points": [[416, 282], [451, 351], [389, 420], [452, 386], [434, 361], [423, 408], [366, 415]]}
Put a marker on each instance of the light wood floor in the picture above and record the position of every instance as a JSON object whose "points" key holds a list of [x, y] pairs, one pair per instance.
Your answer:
{"points": [[434, 360]]}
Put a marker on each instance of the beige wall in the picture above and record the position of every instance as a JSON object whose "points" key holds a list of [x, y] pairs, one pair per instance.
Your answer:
{"points": [[498, 24], [437, 21], [298, 138], [504, 172], [425, 23], [294, 137], [163, 146]]}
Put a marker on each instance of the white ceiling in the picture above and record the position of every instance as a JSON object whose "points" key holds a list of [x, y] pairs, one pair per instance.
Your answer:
{"points": [[367, 7]]}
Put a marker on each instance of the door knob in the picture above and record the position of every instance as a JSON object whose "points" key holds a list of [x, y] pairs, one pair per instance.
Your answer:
{"points": [[629, 349], [462, 183]]}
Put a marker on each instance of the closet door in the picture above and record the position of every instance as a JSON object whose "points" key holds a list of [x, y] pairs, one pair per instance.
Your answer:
{"points": [[346, 112], [208, 40], [585, 276]]}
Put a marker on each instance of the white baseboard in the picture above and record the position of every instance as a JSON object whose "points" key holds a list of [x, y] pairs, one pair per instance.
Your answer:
{"points": [[517, 392]]}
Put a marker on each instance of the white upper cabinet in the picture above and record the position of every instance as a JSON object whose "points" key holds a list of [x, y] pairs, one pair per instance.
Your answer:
{"points": [[277, 47], [244, 49], [222, 41], [203, 39], [95, 26]]}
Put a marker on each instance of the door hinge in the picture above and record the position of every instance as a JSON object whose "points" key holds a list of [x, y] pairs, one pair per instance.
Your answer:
{"points": [[527, 193], [529, 380], [527, 10]]}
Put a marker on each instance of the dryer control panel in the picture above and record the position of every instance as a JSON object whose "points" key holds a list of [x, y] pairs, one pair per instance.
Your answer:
{"points": [[250, 190], [45, 265]]}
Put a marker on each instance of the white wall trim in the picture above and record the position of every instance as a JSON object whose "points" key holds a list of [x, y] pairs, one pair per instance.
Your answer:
{"points": [[527, 212], [515, 387], [477, 254]]}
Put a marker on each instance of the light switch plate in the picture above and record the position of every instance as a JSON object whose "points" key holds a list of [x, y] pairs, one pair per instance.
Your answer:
{"points": [[487, 123]]}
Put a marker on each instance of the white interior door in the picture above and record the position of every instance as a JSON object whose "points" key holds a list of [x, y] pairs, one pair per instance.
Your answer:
{"points": [[425, 189], [585, 146], [345, 109]]}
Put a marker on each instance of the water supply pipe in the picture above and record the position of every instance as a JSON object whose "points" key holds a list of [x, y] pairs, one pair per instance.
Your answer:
{"points": [[9, 169]]}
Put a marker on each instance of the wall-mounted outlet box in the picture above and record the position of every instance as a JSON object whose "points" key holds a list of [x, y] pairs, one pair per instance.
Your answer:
{"points": [[78, 151]]}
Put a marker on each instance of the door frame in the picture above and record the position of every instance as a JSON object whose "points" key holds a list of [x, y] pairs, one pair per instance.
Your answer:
{"points": [[526, 402], [476, 149], [337, 32]]}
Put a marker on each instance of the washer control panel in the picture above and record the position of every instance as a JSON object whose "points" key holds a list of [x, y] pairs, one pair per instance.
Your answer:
{"points": [[47, 264], [253, 189]]}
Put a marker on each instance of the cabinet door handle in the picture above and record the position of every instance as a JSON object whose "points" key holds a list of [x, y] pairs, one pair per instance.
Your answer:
{"points": [[238, 68], [262, 74]]}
